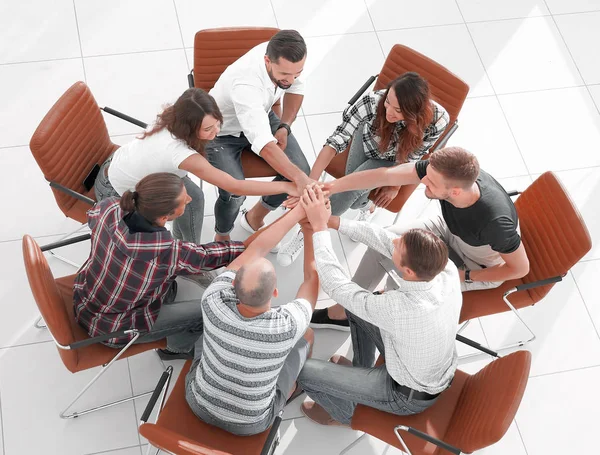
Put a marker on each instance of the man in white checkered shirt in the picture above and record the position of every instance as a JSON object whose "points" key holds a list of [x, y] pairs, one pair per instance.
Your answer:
{"points": [[413, 326]]}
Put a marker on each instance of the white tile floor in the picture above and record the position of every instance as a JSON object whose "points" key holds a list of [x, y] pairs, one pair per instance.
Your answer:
{"points": [[531, 67]]}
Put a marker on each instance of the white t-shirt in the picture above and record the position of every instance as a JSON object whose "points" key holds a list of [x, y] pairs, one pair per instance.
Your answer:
{"points": [[160, 152]]}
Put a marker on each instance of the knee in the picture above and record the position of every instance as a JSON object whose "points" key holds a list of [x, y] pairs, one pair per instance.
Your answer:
{"points": [[232, 199]]}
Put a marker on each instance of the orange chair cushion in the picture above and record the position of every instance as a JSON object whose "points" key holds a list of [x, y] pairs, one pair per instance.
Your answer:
{"points": [[95, 354], [178, 430]]}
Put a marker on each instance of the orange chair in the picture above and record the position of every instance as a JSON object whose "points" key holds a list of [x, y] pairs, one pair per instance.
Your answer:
{"points": [[54, 298], [555, 238], [214, 50], [68, 143], [446, 88], [178, 430], [475, 412]]}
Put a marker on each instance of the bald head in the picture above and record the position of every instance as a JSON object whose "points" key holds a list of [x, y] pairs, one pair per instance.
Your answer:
{"points": [[255, 282]]}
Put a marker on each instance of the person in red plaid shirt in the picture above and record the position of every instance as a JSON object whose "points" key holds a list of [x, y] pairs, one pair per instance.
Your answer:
{"points": [[128, 281]]}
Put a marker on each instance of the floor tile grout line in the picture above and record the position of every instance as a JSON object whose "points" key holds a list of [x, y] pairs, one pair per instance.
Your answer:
{"points": [[3, 447], [26, 62], [25, 344], [572, 58], [274, 13], [563, 371], [149, 51], [585, 304], [374, 29], [521, 436], [493, 88], [181, 34], [108, 451], [135, 410], [79, 41]]}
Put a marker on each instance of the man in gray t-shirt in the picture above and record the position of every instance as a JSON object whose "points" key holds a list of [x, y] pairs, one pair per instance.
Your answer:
{"points": [[250, 354]]}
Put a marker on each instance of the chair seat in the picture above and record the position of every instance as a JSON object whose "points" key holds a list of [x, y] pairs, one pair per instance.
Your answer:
{"points": [[95, 354], [434, 420], [178, 427], [489, 301], [78, 211], [254, 166]]}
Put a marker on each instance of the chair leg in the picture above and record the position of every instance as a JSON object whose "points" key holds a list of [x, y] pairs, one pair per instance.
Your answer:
{"points": [[352, 444], [464, 326], [64, 415], [62, 258], [40, 324]]}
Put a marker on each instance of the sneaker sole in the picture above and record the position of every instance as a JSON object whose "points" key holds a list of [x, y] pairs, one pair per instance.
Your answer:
{"points": [[246, 227], [339, 328]]}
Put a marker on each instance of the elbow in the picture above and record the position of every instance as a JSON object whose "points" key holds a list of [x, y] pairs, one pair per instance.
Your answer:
{"points": [[524, 269]]}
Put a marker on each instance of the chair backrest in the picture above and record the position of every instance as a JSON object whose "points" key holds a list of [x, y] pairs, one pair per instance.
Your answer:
{"points": [[70, 140], [48, 298], [488, 403], [552, 229], [215, 49]]}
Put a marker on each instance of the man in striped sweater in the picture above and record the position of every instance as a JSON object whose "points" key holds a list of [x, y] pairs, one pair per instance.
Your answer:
{"points": [[250, 354]]}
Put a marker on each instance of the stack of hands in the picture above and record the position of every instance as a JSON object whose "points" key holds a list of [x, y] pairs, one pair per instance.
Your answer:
{"points": [[314, 202]]}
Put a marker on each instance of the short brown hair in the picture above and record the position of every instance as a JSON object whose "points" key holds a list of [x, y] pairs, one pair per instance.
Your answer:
{"points": [[288, 44], [425, 253], [456, 164], [154, 196]]}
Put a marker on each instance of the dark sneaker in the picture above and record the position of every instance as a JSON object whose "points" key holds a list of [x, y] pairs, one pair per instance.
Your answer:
{"points": [[165, 354], [320, 320]]}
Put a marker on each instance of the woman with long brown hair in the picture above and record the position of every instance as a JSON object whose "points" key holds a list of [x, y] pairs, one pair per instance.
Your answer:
{"points": [[128, 281], [385, 128], [175, 144]]}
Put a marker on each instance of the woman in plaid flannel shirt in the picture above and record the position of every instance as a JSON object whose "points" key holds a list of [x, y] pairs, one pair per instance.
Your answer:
{"points": [[128, 281], [383, 128]]}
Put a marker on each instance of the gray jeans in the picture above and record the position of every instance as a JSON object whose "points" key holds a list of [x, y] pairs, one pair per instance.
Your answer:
{"points": [[179, 319], [357, 161], [187, 227], [339, 388], [294, 362], [374, 266], [225, 153]]}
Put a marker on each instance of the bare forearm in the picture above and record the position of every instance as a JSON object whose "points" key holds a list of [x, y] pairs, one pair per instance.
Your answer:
{"points": [[334, 222], [273, 155], [291, 105], [272, 234], [501, 272], [402, 174], [325, 156], [256, 188]]}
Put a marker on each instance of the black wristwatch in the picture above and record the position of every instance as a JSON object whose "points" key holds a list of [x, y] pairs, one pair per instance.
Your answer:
{"points": [[286, 126], [468, 276]]}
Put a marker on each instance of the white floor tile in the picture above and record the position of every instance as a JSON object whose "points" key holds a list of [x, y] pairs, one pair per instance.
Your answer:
{"points": [[1, 430], [322, 439], [579, 30], [572, 6], [28, 91], [560, 313], [511, 444], [32, 30], [321, 126], [551, 421], [314, 17], [137, 84], [524, 54], [544, 134], [482, 10], [395, 14], [455, 51], [586, 276], [583, 186], [483, 130], [22, 369], [128, 451], [195, 16], [127, 26], [329, 82], [595, 92], [38, 213]]}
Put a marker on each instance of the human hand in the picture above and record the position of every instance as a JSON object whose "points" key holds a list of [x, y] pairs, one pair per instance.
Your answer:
{"points": [[282, 137], [317, 207], [290, 202], [461, 275], [385, 195], [302, 182]]}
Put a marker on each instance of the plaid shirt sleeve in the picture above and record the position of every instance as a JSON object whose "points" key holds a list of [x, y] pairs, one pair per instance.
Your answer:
{"points": [[197, 258], [432, 132], [94, 214], [363, 110]]}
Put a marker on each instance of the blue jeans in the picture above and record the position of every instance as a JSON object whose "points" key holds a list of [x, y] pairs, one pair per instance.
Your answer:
{"points": [[187, 227], [339, 388], [357, 161], [179, 319], [225, 153]]}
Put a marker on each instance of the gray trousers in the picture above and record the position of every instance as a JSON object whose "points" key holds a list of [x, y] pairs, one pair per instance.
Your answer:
{"points": [[374, 266], [225, 153], [180, 318], [339, 388], [187, 227], [357, 161]]}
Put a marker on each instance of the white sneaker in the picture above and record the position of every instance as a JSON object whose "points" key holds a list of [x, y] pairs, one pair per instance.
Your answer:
{"points": [[291, 250], [365, 214], [244, 223]]}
